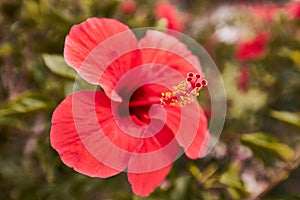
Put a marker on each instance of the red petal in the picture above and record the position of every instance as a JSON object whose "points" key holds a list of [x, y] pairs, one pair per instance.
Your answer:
{"points": [[190, 127], [200, 143], [253, 49], [293, 9], [155, 152], [66, 141], [84, 37], [152, 161], [86, 137], [185, 123], [161, 48], [128, 6], [167, 11], [92, 46], [144, 183]]}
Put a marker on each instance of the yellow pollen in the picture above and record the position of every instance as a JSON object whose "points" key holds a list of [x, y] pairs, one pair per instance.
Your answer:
{"points": [[185, 92]]}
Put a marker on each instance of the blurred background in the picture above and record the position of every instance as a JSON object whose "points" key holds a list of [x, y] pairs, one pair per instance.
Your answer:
{"points": [[256, 46]]}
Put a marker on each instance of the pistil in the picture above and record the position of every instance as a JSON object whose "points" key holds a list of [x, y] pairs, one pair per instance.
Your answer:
{"points": [[185, 92]]}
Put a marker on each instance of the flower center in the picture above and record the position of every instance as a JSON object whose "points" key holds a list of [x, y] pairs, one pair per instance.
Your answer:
{"points": [[181, 95], [185, 92]]}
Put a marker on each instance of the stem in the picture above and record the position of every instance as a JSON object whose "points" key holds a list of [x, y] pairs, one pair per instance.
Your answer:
{"points": [[281, 174]]}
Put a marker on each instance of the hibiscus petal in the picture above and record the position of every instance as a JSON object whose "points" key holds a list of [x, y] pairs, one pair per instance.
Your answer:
{"points": [[253, 49], [154, 152], [187, 123], [144, 183], [66, 141], [152, 161], [161, 48], [86, 136], [167, 11], [190, 128], [200, 143], [90, 48], [84, 37]]}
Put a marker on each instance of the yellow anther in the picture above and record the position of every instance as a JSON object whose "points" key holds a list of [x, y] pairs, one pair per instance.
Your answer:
{"points": [[184, 93]]}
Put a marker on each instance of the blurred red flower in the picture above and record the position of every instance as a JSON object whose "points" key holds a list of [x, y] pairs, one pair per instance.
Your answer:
{"points": [[128, 6], [167, 11], [93, 131], [263, 11], [252, 49], [243, 79], [293, 9]]}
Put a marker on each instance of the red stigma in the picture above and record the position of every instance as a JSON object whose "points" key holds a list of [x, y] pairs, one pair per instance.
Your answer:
{"points": [[185, 92]]}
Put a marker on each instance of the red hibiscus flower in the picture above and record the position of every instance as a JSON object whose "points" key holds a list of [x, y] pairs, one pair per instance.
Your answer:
{"points": [[128, 6], [293, 9], [167, 11], [147, 111], [264, 11], [253, 49]]}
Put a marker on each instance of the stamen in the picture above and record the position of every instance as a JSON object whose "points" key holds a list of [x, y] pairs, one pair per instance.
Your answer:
{"points": [[185, 92]]}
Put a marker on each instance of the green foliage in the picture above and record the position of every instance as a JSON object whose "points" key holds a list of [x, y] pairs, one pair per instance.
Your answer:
{"points": [[288, 117], [232, 180], [267, 146], [25, 103], [181, 189], [57, 65], [241, 102]]}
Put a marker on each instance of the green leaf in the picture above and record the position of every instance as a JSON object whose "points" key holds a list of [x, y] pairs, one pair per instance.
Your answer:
{"points": [[25, 103], [265, 143], [58, 66], [232, 180], [287, 117], [241, 103], [231, 177], [10, 121], [181, 189], [293, 55], [161, 25], [5, 49], [202, 177], [32, 9]]}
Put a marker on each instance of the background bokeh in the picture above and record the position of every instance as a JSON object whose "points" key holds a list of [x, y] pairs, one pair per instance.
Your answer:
{"points": [[256, 47]]}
